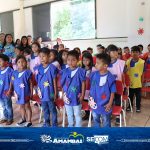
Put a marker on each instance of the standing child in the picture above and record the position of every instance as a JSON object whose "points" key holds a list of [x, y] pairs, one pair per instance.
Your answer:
{"points": [[27, 54], [73, 85], [22, 85], [35, 59], [18, 51], [102, 91], [87, 64], [135, 68], [126, 54], [47, 91], [5, 97], [90, 50], [116, 67], [54, 58], [63, 59]]}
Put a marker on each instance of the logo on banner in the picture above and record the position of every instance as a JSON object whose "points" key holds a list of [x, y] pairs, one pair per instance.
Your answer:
{"points": [[98, 139], [74, 138], [46, 139]]}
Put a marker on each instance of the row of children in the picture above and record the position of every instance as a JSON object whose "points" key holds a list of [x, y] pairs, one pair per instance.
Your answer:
{"points": [[48, 63]]}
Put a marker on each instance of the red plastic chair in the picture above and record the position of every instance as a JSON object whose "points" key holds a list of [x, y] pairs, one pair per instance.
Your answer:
{"points": [[36, 99], [146, 83], [87, 83], [59, 103], [118, 110], [58, 83], [125, 96]]}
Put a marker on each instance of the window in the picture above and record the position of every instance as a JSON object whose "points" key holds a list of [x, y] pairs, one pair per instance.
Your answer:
{"points": [[73, 19], [6, 23], [41, 21]]}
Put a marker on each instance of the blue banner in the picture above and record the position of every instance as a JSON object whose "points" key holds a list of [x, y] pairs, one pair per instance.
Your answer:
{"points": [[74, 138]]}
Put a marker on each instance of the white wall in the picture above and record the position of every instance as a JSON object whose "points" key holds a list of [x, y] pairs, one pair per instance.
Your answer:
{"points": [[8, 5], [28, 22], [115, 18], [84, 44], [17, 25], [136, 10], [28, 3], [111, 18]]}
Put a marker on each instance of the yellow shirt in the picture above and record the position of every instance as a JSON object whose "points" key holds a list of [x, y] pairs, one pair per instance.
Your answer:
{"points": [[135, 71]]}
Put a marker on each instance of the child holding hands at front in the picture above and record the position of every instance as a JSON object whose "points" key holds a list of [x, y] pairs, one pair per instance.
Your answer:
{"points": [[73, 84]]}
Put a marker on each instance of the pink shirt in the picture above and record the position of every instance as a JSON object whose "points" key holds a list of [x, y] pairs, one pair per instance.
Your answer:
{"points": [[117, 68]]}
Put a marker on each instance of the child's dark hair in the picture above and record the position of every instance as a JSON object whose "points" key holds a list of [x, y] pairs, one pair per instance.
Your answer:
{"points": [[135, 49], [104, 57], [112, 48], [88, 56], [45, 50], [27, 50], [21, 57], [99, 45], [78, 50], [148, 45], [6, 42], [60, 60], [126, 47], [140, 45], [38, 45], [74, 53], [24, 37], [90, 49], [16, 41], [102, 47], [85, 51], [4, 57], [20, 48], [55, 52]]}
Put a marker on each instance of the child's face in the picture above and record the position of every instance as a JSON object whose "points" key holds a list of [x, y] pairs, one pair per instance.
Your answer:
{"points": [[17, 52], [64, 56], [100, 65], [100, 50], [72, 61], [44, 58], [18, 42], [90, 51], [114, 54], [61, 47], [86, 61], [2, 63], [29, 40], [135, 54], [35, 48], [9, 39], [24, 41], [51, 57], [126, 51], [21, 64], [119, 50], [39, 40]]}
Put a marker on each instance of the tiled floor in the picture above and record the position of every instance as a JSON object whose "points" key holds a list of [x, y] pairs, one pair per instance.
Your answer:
{"points": [[133, 119]]}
